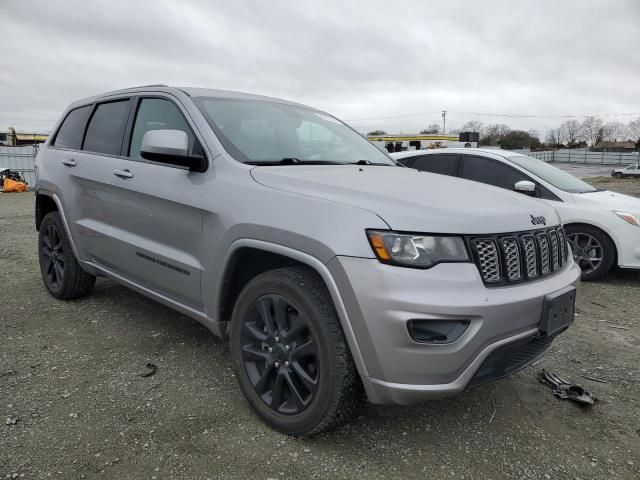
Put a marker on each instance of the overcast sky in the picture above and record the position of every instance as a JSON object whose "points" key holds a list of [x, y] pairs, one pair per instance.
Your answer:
{"points": [[355, 59]]}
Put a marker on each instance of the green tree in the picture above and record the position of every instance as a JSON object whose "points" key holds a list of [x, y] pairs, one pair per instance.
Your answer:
{"points": [[377, 132]]}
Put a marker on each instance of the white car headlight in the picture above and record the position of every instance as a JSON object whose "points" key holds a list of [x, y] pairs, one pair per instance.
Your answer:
{"points": [[632, 218], [416, 250]]}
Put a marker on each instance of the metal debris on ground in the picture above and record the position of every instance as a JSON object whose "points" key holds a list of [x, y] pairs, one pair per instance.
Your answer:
{"points": [[595, 379], [151, 370], [565, 390]]}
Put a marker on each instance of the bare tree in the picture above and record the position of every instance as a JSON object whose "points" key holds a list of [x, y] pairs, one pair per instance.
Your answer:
{"points": [[493, 134], [473, 126], [555, 137], [433, 128], [614, 131], [590, 128], [571, 131], [634, 129]]}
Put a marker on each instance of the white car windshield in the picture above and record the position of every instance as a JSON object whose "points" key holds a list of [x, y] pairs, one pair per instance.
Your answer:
{"points": [[266, 132], [553, 175]]}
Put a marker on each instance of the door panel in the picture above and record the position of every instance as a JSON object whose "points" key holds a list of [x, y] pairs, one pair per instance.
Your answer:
{"points": [[158, 234], [85, 186]]}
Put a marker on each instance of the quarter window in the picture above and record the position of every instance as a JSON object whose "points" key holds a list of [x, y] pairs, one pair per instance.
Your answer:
{"points": [[106, 127], [70, 132], [159, 114]]}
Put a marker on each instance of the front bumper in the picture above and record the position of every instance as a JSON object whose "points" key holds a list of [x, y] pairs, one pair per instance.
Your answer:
{"points": [[627, 240], [381, 299]]}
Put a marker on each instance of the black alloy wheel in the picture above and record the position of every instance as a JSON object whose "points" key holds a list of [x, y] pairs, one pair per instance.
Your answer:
{"points": [[53, 252], [61, 273], [280, 354], [290, 355]]}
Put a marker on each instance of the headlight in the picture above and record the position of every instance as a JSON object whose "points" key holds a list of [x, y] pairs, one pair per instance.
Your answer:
{"points": [[413, 250], [632, 218]]}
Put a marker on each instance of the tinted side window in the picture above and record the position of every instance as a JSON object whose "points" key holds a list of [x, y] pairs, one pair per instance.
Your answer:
{"points": [[159, 114], [104, 134], [70, 132], [491, 172], [442, 164]]}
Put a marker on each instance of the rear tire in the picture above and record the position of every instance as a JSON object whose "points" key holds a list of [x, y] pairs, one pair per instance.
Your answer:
{"points": [[61, 273], [589, 244], [297, 391]]}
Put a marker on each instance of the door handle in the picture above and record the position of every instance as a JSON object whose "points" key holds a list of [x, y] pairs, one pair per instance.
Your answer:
{"points": [[126, 173], [69, 162]]}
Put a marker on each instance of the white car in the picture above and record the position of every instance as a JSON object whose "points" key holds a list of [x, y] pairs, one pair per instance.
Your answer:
{"points": [[603, 227], [629, 171]]}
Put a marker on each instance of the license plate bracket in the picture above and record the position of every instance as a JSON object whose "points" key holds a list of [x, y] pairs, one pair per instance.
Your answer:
{"points": [[558, 311]]}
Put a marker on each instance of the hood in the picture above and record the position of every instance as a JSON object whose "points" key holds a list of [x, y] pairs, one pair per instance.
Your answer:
{"points": [[609, 200], [413, 201]]}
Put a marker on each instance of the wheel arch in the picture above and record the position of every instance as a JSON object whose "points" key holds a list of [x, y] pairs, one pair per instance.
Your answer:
{"points": [[44, 205], [247, 258]]}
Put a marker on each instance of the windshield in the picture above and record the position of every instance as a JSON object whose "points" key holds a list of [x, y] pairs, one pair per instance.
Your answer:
{"points": [[553, 175], [255, 131]]}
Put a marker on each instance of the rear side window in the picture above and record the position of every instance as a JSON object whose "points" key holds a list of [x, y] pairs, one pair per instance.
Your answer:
{"points": [[491, 172], [106, 127], [159, 114], [442, 164], [70, 132]]}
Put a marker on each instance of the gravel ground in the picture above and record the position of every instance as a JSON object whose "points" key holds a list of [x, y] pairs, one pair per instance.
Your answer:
{"points": [[73, 403]]}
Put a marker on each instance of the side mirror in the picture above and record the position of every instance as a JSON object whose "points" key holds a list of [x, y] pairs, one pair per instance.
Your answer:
{"points": [[171, 147], [526, 187]]}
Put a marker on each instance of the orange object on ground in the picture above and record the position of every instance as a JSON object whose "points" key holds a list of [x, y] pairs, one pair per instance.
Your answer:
{"points": [[13, 186]]}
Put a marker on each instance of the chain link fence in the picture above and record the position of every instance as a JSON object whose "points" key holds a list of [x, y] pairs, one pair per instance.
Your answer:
{"points": [[585, 156]]}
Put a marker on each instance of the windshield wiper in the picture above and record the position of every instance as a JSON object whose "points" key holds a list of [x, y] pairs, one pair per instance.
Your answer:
{"points": [[369, 162], [292, 161]]}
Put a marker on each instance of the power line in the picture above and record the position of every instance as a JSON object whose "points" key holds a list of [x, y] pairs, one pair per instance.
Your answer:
{"points": [[545, 116], [507, 115], [439, 112]]}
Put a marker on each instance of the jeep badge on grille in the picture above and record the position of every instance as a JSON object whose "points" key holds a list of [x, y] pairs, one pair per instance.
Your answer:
{"points": [[538, 220]]}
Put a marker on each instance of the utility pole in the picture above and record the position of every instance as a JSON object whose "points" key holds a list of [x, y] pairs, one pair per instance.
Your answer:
{"points": [[444, 121]]}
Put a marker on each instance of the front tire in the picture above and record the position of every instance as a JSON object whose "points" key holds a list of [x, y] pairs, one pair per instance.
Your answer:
{"points": [[592, 249], [618, 175], [290, 355], [61, 273]]}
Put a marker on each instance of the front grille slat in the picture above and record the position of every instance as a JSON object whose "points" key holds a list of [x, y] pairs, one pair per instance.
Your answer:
{"points": [[531, 256], [489, 263], [543, 245], [555, 253], [512, 260], [521, 256]]}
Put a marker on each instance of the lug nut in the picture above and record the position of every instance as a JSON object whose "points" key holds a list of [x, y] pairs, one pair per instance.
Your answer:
{"points": [[277, 364], [286, 364], [277, 339], [270, 349], [287, 347]]}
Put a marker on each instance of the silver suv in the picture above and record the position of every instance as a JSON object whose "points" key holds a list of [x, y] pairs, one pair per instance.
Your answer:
{"points": [[331, 271]]}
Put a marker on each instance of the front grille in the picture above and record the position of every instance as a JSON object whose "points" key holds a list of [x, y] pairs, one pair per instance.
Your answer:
{"points": [[520, 256]]}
